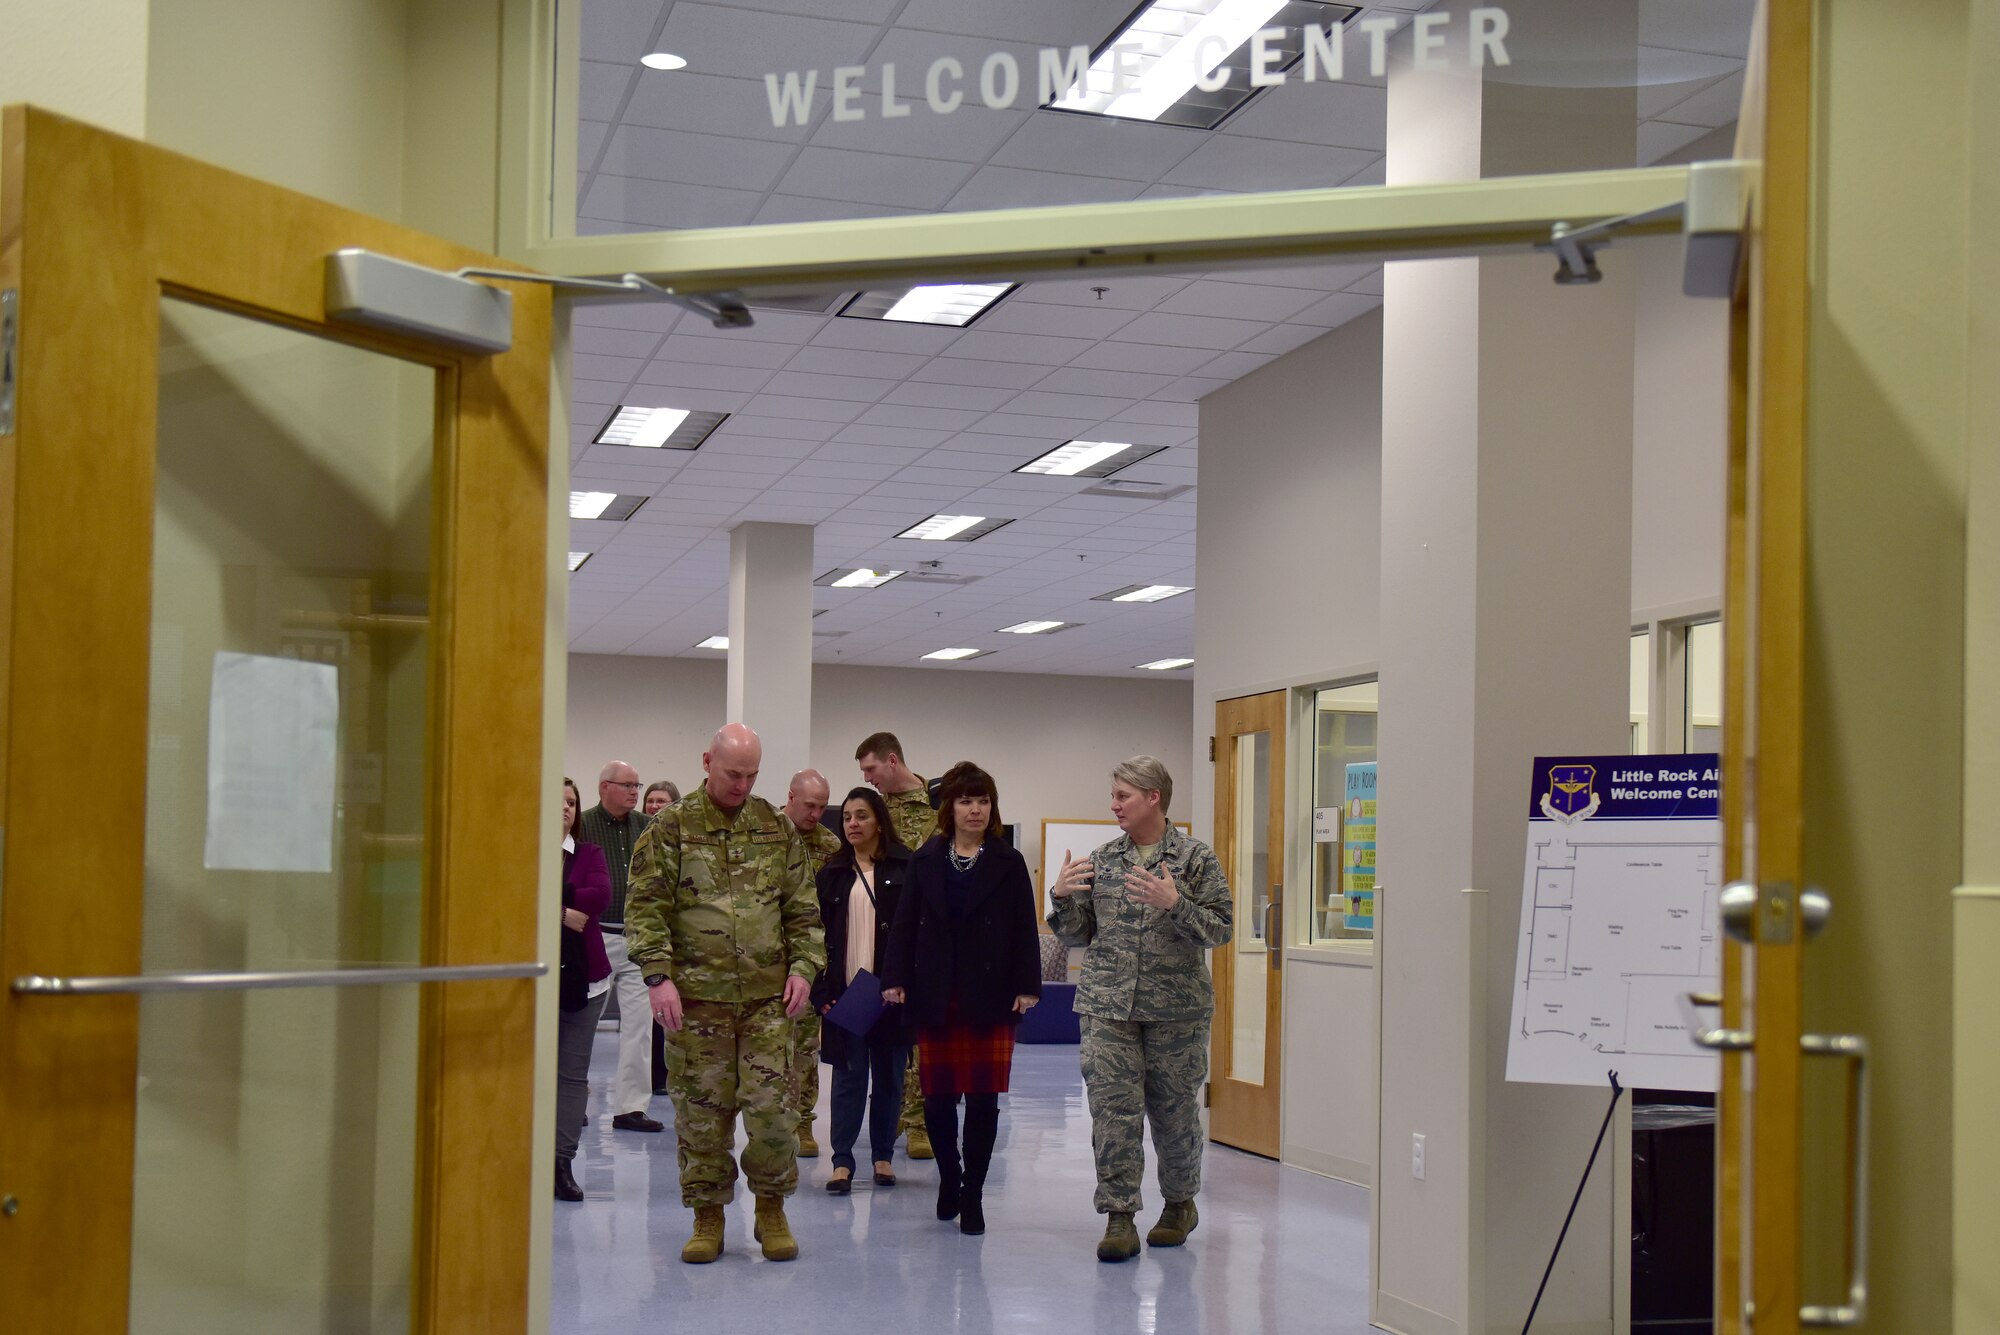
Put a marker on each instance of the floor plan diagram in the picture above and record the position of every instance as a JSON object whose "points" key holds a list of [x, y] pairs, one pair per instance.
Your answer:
{"points": [[1618, 923]]}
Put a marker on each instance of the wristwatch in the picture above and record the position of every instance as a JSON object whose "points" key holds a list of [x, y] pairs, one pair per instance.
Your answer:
{"points": [[655, 979]]}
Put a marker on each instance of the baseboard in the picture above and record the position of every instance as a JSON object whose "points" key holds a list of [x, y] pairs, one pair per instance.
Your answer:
{"points": [[1403, 1317], [1351, 1171]]}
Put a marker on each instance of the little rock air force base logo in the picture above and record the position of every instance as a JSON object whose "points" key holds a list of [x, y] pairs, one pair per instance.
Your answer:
{"points": [[1571, 796]]}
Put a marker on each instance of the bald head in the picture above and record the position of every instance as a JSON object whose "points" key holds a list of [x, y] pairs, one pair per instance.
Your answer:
{"points": [[618, 789], [731, 762], [806, 798]]}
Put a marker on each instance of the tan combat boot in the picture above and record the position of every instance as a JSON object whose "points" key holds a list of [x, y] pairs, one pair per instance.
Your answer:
{"points": [[774, 1231], [808, 1147], [1121, 1238], [918, 1145], [706, 1243], [1176, 1222]]}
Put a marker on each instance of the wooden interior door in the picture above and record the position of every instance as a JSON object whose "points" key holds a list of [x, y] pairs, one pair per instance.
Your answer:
{"points": [[1760, 1257], [272, 610], [1246, 1046]]}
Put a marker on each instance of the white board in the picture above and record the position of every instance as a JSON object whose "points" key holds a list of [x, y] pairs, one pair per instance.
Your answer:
{"points": [[1618, 922]]}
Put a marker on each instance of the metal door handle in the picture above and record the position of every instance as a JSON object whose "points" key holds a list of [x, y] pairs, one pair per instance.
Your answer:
{"points": [[1272, 947], [1853, 1049], [1716, 1040], [113, 985]]}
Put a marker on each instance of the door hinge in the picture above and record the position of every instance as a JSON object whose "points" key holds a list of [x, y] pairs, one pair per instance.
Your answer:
{"points": [[10, 303], [1211, 750]]}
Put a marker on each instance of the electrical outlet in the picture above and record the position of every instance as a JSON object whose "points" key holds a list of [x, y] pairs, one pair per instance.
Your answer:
{"points": [[1417, 1156]]}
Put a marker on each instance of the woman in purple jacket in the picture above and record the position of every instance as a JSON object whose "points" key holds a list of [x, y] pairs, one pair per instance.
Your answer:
{"points": [[585, 980]]}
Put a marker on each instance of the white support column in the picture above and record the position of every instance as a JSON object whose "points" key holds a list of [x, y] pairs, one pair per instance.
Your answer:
{"points": [[770, 645], [1506, 606]]}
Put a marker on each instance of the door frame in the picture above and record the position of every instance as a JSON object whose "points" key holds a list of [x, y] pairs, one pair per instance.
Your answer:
{"points": [[94, 229], [1243, 1115]]}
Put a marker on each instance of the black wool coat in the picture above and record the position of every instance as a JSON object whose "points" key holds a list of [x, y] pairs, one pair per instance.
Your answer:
{"points": [[836, 882], [982, 960]]}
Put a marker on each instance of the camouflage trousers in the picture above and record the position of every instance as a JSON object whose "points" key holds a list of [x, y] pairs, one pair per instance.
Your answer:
{"points": [[912, 1118], [1137, 1072], [730, 1058], [805, 1065]]}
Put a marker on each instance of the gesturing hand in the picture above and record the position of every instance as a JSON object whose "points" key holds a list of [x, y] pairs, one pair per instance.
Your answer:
{"points": [[1155, 892], [1076, 875]]}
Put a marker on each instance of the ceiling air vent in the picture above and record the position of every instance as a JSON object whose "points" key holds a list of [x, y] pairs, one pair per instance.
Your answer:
{"points": [[1137, 489]]}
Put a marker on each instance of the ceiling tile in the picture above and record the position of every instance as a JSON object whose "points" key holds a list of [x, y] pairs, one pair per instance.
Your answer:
{"points": [[796, 208], [1038, 402], [1243, 301], [968, 397], [969, 134], [750, 43], [617, 32], [872, 178], [1145, 358], [1260, 164], [720, 350], [1073, 379], [855, 389], [694, 159], [1712, 107], [711, 104], [694, 375], [1128, 292], [1337, 309], [1018, 188], [1043, 349], [1188, 331], [1283, 338], [966, 371], [855, 362], [664, 204], [1659, 138], [1098, 146], [1018, 316], [1352, 115]]}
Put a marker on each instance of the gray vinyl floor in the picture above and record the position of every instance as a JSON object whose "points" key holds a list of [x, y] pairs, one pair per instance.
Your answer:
{"points": [[1278, 1250]]}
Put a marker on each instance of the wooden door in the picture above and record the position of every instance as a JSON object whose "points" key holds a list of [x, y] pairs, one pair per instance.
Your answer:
{"points": [[1246, 1047], [273, 622]]}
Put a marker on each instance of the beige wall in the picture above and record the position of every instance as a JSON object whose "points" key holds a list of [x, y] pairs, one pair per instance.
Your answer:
{"points": [[1049, 742], [83, 58]]}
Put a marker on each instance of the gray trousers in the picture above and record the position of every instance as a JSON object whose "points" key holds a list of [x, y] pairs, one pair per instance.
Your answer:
{"points": [[1137, 1073], [575, 1031]]}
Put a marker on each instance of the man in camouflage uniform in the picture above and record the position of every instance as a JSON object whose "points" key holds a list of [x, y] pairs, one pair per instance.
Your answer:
{"points": [[805, 803], [1147, 906], [724, 923], [908, 798]]}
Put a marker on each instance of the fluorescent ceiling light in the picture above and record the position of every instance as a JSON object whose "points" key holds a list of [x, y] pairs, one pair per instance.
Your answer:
{"points": [[1143, 593], [957, 655], [847, 578], [953, 528], [577, 559], [663, 60], [1089, 458], [955, 305], [602, 505], [1035, 627], [1165, 664], [714, 642], [1187, 62], [657, 428]]}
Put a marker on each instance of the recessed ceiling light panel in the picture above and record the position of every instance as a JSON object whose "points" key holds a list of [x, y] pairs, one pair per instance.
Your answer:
{"points": [[953, 528], [602, 505], [714, 642], [1143, 593], [954, 305], [576, 560], [663, 60], [1188, 62], [1165, 665], [657, 428], [847, 577], [956, 655], [1036, 627], [1089, 458]]}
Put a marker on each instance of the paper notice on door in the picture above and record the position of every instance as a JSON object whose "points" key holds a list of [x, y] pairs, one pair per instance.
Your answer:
{"points": [[273, 731]]}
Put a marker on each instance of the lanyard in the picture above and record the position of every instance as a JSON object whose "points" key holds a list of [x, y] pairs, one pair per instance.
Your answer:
{"points": [[866, 886]]}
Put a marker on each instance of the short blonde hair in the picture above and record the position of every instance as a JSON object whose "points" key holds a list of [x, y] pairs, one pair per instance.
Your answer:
{"points": [[1149, 775]]}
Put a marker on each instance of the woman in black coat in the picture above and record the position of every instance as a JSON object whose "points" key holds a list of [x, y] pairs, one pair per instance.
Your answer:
{"points": [[859, 890], [964, 955]]}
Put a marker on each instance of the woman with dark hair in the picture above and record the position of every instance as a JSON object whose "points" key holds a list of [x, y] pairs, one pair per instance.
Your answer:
{"points": [[859, 891], [964, 956], [584, 981]]}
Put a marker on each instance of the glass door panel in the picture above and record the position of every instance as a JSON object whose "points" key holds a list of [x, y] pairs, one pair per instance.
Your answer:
{"points": [[1250, 875], [1342, 826], [288, 719]]}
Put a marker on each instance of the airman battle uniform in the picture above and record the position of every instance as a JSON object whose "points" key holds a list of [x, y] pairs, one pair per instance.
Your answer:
{"points": [[1144, 1003]]}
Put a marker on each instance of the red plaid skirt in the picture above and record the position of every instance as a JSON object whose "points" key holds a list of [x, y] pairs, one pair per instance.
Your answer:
{"points": [[965, 1058]]}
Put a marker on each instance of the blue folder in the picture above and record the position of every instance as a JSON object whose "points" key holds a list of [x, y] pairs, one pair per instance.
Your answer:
{"points": [[860, 1006]]}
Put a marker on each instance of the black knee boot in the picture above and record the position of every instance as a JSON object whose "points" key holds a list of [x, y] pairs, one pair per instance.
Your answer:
{"points": [[941, 1121], [982, 1128]]}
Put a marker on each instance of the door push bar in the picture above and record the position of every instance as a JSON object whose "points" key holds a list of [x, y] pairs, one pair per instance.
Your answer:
{"points": [[114, 985]]}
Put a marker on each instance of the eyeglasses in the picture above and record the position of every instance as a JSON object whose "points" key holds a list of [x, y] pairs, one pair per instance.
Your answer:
{"points": [[616, 784]]}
